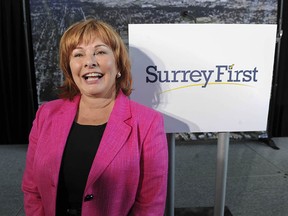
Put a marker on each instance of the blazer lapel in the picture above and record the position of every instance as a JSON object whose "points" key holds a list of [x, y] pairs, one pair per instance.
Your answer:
{"points": [[116, 133]]}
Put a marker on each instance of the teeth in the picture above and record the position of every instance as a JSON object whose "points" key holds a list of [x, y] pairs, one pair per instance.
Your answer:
{"points": [[93, 75]]}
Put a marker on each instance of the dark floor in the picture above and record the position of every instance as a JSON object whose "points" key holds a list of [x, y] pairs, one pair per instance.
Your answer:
{"points": [[257, 183]]}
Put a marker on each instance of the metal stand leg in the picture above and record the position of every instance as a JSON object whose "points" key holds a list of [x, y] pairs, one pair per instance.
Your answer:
{"points": [[171, 175], [221, 173]]}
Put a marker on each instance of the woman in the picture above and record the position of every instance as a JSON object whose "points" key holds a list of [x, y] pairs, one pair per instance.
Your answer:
{"points": [[94, 151]]}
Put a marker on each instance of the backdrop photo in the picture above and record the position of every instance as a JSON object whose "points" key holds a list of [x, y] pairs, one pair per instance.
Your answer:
{"points": [[49, 19]]}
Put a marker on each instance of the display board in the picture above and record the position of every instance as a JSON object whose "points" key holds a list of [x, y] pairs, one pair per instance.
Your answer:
{"points": [[204, 77]]}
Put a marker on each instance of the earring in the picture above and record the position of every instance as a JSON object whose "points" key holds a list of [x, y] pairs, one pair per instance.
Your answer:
{"points": [[118, 75]]}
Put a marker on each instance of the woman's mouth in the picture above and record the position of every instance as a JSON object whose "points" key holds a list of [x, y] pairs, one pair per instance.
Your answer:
{"points": [[92, 76]]}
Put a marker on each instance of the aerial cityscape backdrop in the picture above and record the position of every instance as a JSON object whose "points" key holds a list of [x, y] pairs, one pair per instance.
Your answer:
{"points": [[50, 18]]}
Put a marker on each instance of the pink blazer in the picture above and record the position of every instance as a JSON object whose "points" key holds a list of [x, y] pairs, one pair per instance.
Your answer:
{"points": [[129, 172]]}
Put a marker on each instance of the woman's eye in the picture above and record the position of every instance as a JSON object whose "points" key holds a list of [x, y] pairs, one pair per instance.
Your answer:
{"points": [[101, 52], [77, 55]]}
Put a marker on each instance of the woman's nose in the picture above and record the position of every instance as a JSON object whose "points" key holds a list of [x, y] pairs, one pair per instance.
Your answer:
{"points": [[91, 61]]}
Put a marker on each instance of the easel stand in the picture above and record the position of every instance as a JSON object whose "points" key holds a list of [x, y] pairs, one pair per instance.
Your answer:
{"points": [[221, 174]]}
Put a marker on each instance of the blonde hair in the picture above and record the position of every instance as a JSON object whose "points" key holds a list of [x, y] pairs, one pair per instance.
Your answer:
{"points": [[85, 31]]}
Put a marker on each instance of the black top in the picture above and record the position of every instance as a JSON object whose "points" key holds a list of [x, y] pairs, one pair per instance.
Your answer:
{"points": [[81, 147]]}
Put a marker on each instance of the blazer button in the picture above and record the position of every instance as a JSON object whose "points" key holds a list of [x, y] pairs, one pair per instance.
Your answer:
{"points": [[88, 197]]}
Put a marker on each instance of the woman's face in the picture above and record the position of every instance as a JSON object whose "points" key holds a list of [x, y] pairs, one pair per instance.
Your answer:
{"points": [[94, 69]]}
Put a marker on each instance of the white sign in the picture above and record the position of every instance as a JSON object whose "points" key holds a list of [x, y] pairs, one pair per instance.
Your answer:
{"points": [[204, 77]]}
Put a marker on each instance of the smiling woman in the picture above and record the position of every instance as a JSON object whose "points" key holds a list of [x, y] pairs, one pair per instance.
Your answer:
{"points": [[94, 151], [94, 69], [83, 42]]}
